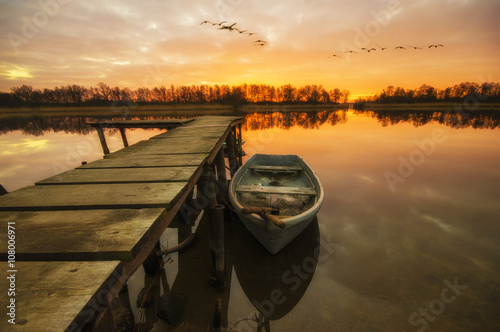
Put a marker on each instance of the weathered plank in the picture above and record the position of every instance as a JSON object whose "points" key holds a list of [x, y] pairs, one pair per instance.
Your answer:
{"points": [[206, 132], [185, 145], [122, 175], [92, 196], [276, 190], [117, 234], [159, 123], [56, 296], [117, 161]]}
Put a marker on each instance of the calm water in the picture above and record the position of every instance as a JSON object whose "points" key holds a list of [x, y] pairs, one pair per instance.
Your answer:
{"points": [[409, 233]]}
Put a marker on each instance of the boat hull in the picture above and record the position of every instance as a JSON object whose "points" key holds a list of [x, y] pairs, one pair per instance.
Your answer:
{"points": [[285, 181]]}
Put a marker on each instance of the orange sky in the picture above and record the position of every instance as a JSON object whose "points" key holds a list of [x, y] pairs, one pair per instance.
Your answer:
{"points": [[49, 43]]}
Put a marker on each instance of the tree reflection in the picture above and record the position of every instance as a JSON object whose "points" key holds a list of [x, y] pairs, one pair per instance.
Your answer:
{"points": [[476, 119], [287, 120], [38, 125]]}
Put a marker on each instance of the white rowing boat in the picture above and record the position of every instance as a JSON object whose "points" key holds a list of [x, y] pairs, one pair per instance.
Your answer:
{"points": [[276, 197]]}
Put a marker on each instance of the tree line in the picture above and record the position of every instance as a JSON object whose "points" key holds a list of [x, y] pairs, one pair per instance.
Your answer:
{"points": [[103, 94], [488, 91]]}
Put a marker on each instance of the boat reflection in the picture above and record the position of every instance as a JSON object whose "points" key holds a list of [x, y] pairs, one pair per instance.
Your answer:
{"points": [[274, 284]]}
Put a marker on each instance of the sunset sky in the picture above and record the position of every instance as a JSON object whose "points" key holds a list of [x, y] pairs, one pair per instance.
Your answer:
{"points": [[150, 43]]}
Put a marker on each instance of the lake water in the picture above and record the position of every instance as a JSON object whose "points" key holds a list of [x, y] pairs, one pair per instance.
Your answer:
{"points": [[409, 233]]}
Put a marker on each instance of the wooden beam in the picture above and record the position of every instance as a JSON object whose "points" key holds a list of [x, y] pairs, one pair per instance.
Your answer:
{"points": [[102, 139], [79, 234], [121, 175], [57, 296], [124, 137], [276, 190], [92, 196]]}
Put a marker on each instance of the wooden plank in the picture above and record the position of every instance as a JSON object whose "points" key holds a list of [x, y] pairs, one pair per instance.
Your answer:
{"points": [[56, 296], [276, 168], [92, 196], [186, 145], [159, 123], [214, 121], [117, 161], [117, 234], [122, 175], [276, 190], [207, 132]]}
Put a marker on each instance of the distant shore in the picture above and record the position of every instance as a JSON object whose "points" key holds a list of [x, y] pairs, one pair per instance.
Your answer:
{"points": [[437, 106]]}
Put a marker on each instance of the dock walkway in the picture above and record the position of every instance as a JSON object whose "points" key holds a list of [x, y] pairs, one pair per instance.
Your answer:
{"points": [[81, 234]]}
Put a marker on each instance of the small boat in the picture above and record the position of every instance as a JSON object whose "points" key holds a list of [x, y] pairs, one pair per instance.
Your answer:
{"points": [[276, 197]]}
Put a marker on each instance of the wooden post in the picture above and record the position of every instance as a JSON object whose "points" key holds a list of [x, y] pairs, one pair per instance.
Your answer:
{"points": [[100, 133], [221, 175], [240, 146], [218, 315], [218, 245], [230, 146], [206, 195], [124, 137]]}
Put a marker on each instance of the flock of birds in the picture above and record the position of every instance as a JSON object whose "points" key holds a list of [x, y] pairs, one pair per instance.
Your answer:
{"points": [[384, 48], [224, 25], [231, 27]]}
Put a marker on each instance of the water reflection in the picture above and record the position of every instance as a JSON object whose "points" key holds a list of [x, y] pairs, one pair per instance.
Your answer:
{"points": [[37, 125], [274, 284]]}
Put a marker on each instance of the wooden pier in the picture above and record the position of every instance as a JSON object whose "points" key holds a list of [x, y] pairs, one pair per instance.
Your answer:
{"points": [[81, 234]]}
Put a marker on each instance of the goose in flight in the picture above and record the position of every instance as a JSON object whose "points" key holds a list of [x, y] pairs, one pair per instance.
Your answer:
{"points": [[435, 46], [381, 48], [228, 27], [369, 49], [240, 31], [415, 47], [399, 47], [251, 33], [335, 56], [219, 24], [350, 52], [205, 22], [260, 42]]}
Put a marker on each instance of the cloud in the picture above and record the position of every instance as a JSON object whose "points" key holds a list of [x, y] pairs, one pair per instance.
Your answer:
{"points": [[120, 41]]}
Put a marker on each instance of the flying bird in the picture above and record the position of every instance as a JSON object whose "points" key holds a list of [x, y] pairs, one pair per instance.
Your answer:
{"points": [[228, 27], [369, 49], [350, 52], [251, 33], [399, 47], [381, 48], [415, 47], [260, 42], [205, 22], [435, 46], [240, 31], [335, 56], [219, 24]]}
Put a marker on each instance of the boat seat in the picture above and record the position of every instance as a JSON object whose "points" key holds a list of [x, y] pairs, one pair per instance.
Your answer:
{"points": [[276, 190], [275, 169]]}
